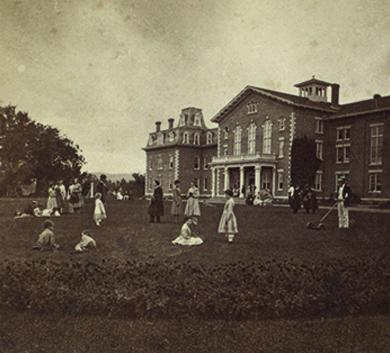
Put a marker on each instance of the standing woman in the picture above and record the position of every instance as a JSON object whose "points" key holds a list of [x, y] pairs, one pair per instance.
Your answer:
{"points": [[192, 207], [52, 198], [176, 201], [75, 196], [228, 222], [156, 208]]}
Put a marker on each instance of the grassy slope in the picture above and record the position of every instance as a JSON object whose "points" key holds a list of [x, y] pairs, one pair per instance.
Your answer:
{"points": [[265, 234]]}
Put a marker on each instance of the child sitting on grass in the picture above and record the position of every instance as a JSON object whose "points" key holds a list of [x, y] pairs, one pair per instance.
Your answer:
{"points": [[46, 241], [185, 237], [86, 242], [31, 210], [100, 212]]}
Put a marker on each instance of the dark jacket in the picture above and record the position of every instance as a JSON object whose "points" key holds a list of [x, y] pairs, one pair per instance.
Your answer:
{"points": [[156, 207]]}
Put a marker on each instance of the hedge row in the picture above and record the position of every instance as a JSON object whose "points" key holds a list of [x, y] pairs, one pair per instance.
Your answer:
{"points": [[267, 290]]}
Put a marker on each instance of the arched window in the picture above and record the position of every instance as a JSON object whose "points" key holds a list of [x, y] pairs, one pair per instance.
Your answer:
{"points": [[237, 141], [267, 137], [252, 138], [209, 138], [196, 139], [186, 137]]}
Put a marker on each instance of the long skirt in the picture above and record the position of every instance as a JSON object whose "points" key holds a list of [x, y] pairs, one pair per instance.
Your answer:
{"points": [[192, 207]]}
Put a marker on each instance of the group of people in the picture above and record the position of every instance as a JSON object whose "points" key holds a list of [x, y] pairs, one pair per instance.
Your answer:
{"points": [[305, 197], [227, 226], [46, 240]]}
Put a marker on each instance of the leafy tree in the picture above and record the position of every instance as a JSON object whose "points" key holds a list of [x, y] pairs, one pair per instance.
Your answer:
{"points": [[137, 185], [304, 162], [31, 150]]}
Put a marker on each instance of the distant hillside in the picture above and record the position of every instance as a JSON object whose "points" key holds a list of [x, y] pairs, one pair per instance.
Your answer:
{"points": [[116, 177]]}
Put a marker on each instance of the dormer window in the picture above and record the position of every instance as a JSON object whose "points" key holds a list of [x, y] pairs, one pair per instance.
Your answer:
{"points": [[171, 136], [198, 119], [186, 137], [196, 139], [252, 107], [160, 138]]}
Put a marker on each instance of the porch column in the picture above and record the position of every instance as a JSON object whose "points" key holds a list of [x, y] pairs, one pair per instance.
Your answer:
{"points": [[213, 185], [227, 179], [273, 180], [257, 177], [241, 180]]}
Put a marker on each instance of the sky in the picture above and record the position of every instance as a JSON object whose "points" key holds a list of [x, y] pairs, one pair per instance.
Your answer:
{"points": [[104, 71]]}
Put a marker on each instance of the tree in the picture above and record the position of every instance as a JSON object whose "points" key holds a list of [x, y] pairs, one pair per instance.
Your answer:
{"points": [[31, 150], [304, 162], [137, 185]]}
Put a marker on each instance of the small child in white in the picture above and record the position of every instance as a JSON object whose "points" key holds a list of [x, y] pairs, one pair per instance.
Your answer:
{"points": [[185, 237], [228, 222], [46, 239], [100, 212], [86, 242]]}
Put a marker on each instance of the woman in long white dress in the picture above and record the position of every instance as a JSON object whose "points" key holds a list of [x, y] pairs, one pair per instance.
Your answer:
{"points": [[185, 237], [192, 207], [52, 198], [228, 222]]}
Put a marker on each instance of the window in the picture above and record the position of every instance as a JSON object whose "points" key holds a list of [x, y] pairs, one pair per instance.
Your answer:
{"points": [[196, 139], [237, 141], [376, 181], [252, 107], [343, 136], [282, 124], [186, 137], [205, 163], [209, 138], [343, 133], [198, 119], [319, 126], [280, 179], [225, 151], [150, 164], [281, 147], [159, 163], [318, 181], [376, 144], [225, 133], [319, 149], [170, 183], [267, 134], [170, 166], [160, 138], [150, 184], [342, 154], [252, 139], [205, 184], [196, 163]]}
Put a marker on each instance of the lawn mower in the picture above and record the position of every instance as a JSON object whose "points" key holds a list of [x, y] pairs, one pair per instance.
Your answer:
{"points": [[320, 225]]}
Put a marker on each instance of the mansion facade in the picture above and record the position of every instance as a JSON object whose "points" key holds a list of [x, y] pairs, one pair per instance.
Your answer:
{"points": [[253, 141]]}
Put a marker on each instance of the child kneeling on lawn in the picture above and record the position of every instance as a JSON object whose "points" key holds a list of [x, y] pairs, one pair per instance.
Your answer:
{"points": [[46, 241], [86, 242]]}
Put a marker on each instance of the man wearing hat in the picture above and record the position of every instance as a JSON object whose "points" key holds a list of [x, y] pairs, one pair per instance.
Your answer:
{"points": [[343, 196]]}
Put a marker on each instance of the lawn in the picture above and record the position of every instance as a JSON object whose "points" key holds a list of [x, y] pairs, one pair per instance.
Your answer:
{"points": [[280, 287]]}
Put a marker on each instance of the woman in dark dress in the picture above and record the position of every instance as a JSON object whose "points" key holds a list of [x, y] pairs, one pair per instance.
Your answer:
{"points": [[156, 208]]}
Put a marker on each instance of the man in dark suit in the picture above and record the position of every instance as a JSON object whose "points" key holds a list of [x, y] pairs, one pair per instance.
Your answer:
{"points": [[102, 187]]}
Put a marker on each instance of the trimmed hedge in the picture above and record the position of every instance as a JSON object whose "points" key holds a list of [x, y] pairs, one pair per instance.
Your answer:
{"points": [[260, 291]]}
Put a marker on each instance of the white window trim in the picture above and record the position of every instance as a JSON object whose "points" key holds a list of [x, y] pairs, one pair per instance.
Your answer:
{"points": [[198, 159], [320, 144], [186, 138], [209, 138], [318, 173], [197, 139], [317, 130], [280, 172]]}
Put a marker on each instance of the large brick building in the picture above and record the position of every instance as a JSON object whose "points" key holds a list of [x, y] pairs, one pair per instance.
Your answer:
{"points": [[181, 152], [256, 129]]}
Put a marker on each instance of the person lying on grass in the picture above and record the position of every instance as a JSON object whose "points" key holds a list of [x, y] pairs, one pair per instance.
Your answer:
{"points": [[31, 210], [86, 242], [185, 237], [46, 240]]}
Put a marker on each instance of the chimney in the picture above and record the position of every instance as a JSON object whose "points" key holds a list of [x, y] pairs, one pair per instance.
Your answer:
{"points": [[170, 122], [335, 94], [158, 126]]}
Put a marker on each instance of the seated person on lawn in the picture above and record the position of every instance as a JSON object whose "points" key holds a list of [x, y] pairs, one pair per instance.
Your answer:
{"points": [[46, 241], [86, 242], [30, 210]]}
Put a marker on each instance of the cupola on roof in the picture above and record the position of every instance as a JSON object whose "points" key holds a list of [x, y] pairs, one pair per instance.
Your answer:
{"points": [[315, 90]]}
